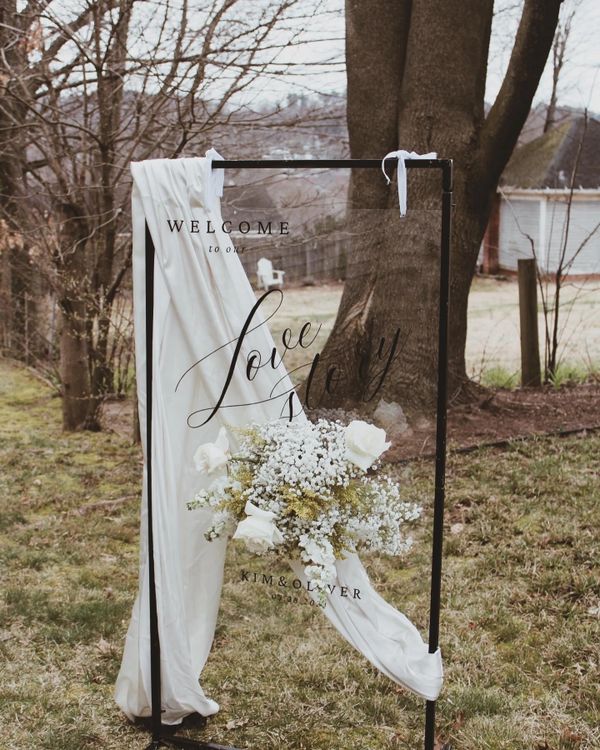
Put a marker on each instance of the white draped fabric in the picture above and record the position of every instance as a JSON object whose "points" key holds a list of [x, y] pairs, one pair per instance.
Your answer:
{"points": [[201, 301]]}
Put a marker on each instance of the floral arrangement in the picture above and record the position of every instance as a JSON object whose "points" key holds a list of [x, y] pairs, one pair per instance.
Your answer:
{"points": [[301, 489]]}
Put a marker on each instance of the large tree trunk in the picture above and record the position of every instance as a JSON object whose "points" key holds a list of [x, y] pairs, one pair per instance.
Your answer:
{"points": [[416, 80]]}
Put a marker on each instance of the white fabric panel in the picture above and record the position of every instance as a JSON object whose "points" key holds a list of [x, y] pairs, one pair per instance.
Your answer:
{"points": [[201, 301], [383, 635]]}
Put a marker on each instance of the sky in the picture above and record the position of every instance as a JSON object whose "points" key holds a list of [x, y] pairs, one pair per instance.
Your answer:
{"points": [[579, 85], [305, 52], [318, 62]]}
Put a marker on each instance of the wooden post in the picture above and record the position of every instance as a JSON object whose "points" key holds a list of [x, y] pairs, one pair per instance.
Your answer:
{"points": [[530, 348]]}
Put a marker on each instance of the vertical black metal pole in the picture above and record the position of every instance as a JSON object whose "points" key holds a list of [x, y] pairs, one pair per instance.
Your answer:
{"points": [[440, 441], [154, 636]]}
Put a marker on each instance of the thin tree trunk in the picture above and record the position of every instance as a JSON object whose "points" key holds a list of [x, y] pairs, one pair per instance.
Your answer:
{"points": [[6, 307], [20, 288], [78, 407], [74, 364]]}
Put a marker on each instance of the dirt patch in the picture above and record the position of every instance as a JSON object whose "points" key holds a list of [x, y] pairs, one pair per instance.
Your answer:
{"points": [[507, 415], [504, 415]]}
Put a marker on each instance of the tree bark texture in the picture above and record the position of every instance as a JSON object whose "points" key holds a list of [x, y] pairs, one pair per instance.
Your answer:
{"points": [[20, 286], [416, 80], [78, 406]]}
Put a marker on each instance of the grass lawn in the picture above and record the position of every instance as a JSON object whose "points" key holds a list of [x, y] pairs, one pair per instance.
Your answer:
{"points": [[493, 348], [520, 627]]}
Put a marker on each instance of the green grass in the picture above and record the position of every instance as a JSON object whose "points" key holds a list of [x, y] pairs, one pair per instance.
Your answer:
{"points": [[496, 376], [573, 374], [520, 625]]}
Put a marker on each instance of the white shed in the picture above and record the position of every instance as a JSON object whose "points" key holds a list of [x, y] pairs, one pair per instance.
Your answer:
{"points": [[549, 202]]}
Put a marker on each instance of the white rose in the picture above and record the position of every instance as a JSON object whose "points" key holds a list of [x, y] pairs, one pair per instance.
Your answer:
{"points": [[257, 530], [364, 443], [211, 457]]}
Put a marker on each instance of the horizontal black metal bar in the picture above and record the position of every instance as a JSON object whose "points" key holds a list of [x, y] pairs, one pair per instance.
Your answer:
{"points": [[188, 744], [326, 163]]}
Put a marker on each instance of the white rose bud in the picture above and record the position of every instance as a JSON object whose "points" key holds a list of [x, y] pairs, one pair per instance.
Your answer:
{"points": [[364, 443], [211, 457], [257, 530]]}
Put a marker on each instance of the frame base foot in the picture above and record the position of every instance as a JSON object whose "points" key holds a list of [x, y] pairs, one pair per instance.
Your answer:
{"points": [[187, 744]]}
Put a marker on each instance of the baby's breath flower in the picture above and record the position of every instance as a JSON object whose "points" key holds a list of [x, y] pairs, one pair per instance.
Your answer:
{"points": [[323, 505]]}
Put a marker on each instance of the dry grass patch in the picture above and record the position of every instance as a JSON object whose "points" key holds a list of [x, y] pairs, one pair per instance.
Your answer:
{"points": [[519, 631]]}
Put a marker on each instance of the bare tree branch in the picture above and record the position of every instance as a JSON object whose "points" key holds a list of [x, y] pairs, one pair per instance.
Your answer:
{"points": [[509, 112]]}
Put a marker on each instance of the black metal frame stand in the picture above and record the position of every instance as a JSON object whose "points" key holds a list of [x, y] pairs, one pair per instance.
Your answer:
{"points": [[160, 733]]}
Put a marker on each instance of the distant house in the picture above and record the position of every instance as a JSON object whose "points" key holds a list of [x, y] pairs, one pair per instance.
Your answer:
{"points": [[294, 223], [252, 221], [536, 207]]}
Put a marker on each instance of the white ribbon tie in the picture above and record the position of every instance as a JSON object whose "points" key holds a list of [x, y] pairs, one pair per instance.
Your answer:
{"points": [[402, 156]]}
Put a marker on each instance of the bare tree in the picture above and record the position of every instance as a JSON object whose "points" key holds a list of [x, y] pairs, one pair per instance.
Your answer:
{"points": [[91, 86], [551, 283], [559, 59]]}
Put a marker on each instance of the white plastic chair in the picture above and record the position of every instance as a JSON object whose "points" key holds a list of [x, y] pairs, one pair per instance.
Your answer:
{"points": [[267, 275]]}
